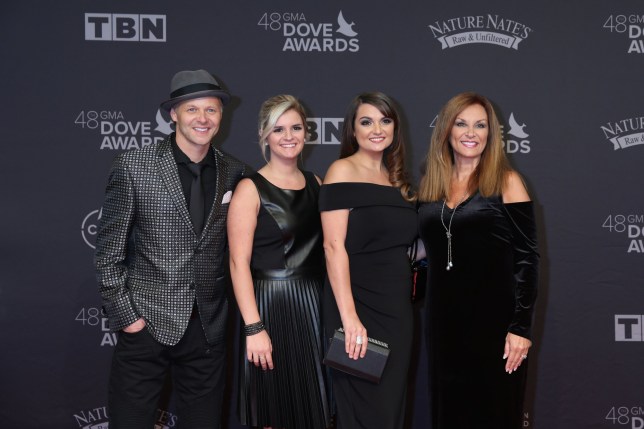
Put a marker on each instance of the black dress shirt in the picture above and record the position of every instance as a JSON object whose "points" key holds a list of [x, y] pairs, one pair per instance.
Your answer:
{"points": [[208, 176]]}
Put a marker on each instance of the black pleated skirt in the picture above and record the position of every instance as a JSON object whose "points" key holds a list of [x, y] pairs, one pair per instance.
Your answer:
{"points": [[293, 395]]}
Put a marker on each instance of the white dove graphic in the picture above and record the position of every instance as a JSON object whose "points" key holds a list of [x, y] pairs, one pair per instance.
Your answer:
{"points": [[163, 126], [516, 129], [344, 27]]}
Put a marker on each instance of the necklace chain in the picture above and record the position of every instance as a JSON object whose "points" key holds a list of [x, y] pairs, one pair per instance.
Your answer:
{"points": [[448, 230]]}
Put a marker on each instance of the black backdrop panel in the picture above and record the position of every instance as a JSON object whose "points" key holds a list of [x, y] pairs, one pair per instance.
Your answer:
{"points": [[82, 82]]}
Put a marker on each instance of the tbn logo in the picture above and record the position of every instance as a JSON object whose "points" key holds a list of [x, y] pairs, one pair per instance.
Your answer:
{"points": [[125, 27], [628, 327]]}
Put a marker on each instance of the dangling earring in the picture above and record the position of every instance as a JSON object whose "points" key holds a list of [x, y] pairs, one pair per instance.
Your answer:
{"points": [[267, 151]]}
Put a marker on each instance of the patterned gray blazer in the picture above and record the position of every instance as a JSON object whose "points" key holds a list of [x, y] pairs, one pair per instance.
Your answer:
{"points": [[149, 261]]}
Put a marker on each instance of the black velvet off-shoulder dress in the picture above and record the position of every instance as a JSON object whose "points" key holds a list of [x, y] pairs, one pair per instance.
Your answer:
{"points": [[489, 291], [381, 227], [288, 269]]}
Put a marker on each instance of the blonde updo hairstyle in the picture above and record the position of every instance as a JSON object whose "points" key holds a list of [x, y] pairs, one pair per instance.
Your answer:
{"points": [[269, 114]]}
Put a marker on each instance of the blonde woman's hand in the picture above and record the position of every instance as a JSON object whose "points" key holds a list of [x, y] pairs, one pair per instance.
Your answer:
{"points": [[259, 350]]}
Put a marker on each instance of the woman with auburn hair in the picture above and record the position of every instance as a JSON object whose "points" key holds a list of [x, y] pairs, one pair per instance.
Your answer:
{"points": [[369, 221], [277, 270], [477, 223]]}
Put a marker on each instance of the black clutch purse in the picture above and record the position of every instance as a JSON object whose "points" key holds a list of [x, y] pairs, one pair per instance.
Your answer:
{"points": [[369, 367]]}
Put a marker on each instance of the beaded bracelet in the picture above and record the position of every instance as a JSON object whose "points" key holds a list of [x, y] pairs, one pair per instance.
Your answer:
{"points": [[254, 328]]}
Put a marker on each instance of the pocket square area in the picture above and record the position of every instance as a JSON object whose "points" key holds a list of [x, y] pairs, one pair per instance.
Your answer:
{"points": [[227, 196]]}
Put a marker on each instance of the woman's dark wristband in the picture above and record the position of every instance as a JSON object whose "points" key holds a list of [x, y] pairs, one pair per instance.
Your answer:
{"points": [[254, 328]]}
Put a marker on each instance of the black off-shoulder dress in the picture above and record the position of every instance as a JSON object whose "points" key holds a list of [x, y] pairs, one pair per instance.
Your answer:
{"points": [[381, 227]]}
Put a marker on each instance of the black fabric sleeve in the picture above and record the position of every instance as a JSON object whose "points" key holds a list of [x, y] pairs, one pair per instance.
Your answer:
{"points": [[526, 265]]}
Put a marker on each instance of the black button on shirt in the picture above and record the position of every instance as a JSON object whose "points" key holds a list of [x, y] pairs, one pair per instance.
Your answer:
{"points": [[208, 175]]}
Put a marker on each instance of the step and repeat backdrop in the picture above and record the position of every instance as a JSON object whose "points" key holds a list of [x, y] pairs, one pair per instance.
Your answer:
{"points": [[82, 82]]}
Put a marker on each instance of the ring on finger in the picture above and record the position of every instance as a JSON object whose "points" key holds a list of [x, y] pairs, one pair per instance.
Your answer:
{"points": [[524, 356], [359, 340]]}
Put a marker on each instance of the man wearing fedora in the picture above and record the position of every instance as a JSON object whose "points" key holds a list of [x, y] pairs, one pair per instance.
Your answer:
{"points": [[160, 263]]}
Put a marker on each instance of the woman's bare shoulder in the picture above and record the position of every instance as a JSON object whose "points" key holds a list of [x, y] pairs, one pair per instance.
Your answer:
{"points": [[514, 190], [342, 170]]}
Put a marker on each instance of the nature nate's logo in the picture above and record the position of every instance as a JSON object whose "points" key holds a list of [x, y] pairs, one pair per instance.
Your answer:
{"points": [[302, 35], [625, 133], [490, 29], [97, 418]]}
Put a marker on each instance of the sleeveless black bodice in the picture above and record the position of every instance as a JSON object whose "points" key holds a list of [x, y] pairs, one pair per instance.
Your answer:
{"points": [[289, 234]]}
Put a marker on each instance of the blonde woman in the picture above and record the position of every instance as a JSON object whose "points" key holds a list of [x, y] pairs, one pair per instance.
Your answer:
{"points": [[277, 269]]}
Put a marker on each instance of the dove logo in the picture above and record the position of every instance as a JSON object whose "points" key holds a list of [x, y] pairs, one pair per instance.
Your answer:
{"points": [[344, 27], [89, 227], [516, 139], [516, 129], [301, 35], [633, 227], [163, 126], [126, 134], [117, 133], [631, 27]]}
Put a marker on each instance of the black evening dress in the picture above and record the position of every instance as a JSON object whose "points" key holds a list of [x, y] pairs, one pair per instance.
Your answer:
{"points": [[489, 291], [288, 273], [381, 227]]}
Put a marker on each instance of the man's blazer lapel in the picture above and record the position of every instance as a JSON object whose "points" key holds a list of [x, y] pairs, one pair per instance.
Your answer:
{"points": [[220, 188]]}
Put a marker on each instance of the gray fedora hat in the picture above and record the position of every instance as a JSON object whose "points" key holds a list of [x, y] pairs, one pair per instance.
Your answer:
{"points": [[189, 84]]}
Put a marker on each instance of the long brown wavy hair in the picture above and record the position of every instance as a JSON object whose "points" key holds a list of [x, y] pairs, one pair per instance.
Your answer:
{"points": [[492, 171], [393, 156]]}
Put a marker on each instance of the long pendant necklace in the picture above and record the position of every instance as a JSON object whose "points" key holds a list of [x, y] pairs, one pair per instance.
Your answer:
{"points": [[448, 231]]}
